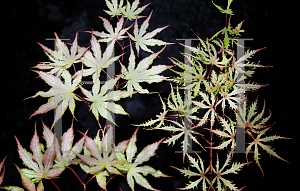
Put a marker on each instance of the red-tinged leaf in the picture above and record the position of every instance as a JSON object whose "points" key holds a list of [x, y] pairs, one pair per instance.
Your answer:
{"points": [[76, 149], [123, 145], [12, 188], [48, 158], [48, 135], [50, 79], [40, 187], [52, 102], [27, 183], [147, 152], [107, 142], [131, 149], [67, 141], [35, 147], [3, 172], [54, 172], [88, 160], [26, 157], [92, 147]]}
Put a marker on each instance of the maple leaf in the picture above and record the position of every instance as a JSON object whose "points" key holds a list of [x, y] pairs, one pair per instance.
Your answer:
{"points": [[141, 39], [250, 119], [61, 59], [99, 160], [160, 117], [100, 100], [68, 152], [140, 74], [133, 169], [132, 11], [206, 53], [230, 97], [234, 76], [113, 34], [114, 7], [259, 141], [96, 61], [27, 183], [210, 106], [228, 132], [182, 106], [227, 10], [3, 172], [14, 188], [40, 163], [61, 94], [202, 173], [235, 167], [196, 71], [183, 130]]}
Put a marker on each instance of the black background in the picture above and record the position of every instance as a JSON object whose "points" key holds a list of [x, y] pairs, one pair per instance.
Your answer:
{"points": [[27, 22]]}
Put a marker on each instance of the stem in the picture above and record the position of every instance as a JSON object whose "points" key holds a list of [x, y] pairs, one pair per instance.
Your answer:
{"points": [[76, 176], [55, 185]]}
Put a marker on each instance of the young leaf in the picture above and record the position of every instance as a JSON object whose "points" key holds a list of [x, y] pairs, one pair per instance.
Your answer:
{"points": [[114, 7], [141, 39], [61, 95], [61, 59], [113, 35], [259, 141], [132, 168], [140, 73], [202, 173], [131, 11], [40, 163], [101, 103], [96, 61], [2, 172], [220, 172], [103, 161], [160, 117]]}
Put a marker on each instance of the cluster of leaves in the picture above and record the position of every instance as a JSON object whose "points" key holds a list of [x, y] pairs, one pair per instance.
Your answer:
{"points": [[213, 79]]}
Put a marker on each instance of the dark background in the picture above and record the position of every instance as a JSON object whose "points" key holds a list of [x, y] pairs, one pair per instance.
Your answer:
{"points": [[27, 22]]}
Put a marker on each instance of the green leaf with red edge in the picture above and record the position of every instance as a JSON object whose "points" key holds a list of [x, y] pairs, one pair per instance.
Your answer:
{"points": [[12, 188], [133, 170], [141, 73], [3, 172], [114, 7], [102, 160], [143, 40], [27, 183], [131, 11], [61, 95], [40, 164]]}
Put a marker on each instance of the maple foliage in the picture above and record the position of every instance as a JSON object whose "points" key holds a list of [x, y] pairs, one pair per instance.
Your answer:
{"points": [[212, 71]]}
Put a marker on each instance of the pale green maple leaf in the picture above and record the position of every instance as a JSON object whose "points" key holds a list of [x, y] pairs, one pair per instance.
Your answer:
{"points": [[182, 130], [96, 61], [250, 119], [61, 94], [135, 75], [210, 105], [141, 39], [201, 173], [100, 100], [228, 132], [61, 59], [182, 106], [219, 173], [160, 117], [136, 173], [259, 141], [131, 11], [114, 34], [114, 7]]}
